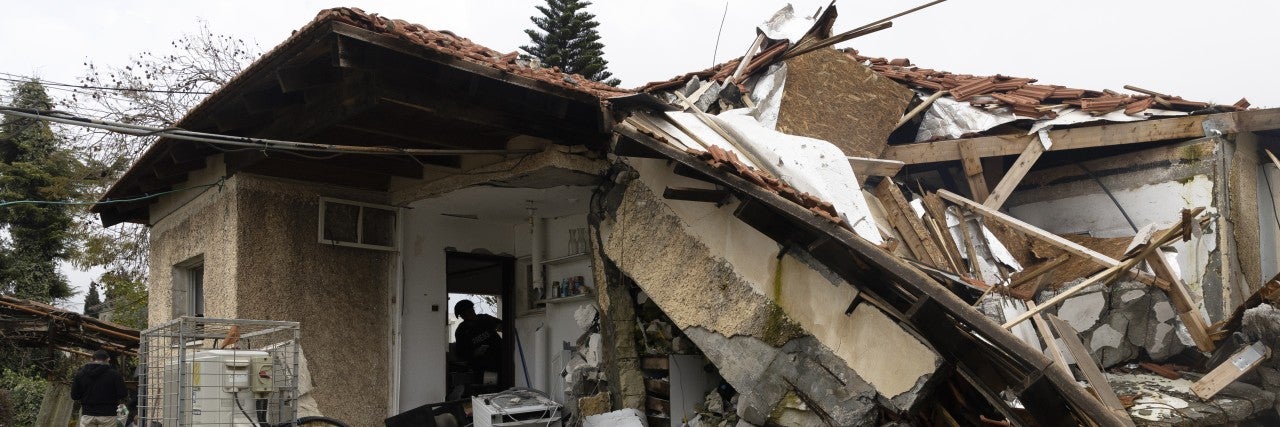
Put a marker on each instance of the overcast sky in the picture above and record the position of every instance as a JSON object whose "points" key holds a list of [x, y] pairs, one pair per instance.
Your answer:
{"points": [[1215, 51]]}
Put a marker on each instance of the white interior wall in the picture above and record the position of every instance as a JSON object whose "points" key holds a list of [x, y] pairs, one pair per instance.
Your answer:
{"points": [[1094, 213], [427, 233], [555, 319], [423, 338]]}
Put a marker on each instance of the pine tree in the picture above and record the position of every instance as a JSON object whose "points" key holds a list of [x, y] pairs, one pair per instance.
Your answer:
{"points": [[92, 301], [34, 166], [569, 40]]}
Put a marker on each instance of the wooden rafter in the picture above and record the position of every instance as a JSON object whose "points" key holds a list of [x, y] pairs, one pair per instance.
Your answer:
{"points": [[1136, 132]]}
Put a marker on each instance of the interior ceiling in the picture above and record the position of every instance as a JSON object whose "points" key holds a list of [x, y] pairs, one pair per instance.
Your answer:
{"points": [[504, 204]]}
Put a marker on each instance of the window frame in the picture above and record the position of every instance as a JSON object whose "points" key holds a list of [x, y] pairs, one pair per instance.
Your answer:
{"points": [[188, 297], [359, 243]]}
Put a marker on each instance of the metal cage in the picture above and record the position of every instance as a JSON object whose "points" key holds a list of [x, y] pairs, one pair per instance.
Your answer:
{"points": [[196, 371]]}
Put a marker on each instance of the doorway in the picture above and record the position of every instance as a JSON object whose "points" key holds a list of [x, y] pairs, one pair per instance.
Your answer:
{"points": [[488, 282]]}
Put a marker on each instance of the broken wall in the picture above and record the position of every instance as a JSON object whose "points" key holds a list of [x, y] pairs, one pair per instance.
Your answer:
{"points": [[1151, 186], [724, 283]]}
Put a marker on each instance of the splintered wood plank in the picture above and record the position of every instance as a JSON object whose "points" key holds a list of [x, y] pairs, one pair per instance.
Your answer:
{"points": [[936, 217], [1112, 272], [1037, 233], [1015, 174], [1243, 361], [913, 232], [1049, 341], [865, 167], [1092, 373], [972, 164], [1181, 301]]}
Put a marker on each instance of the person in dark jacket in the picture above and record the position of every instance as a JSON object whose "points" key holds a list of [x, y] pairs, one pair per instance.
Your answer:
{"points": [[477, 340], [99, 388]]}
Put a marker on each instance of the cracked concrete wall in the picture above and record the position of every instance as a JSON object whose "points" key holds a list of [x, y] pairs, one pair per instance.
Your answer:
{"points": [[706, 269], [557, 165], [621, 358]]}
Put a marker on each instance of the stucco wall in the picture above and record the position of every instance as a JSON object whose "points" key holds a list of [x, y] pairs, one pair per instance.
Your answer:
{"points": [[197, 224], [339, 294]]}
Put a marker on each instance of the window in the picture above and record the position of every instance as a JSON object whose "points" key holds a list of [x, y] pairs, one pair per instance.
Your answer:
{"points": [[355, 224], [188, 287]]}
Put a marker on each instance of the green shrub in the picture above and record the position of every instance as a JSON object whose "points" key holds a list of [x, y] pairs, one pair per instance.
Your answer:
{"points": [[24, 396]]}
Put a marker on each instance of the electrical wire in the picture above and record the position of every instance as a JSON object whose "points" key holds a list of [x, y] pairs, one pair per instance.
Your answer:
{"points": [[17, 78], [241, 141], [1112, 196], [111, 201]]}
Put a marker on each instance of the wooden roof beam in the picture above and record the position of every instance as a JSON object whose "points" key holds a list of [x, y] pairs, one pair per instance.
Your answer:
{"points": [[1137, 132]]}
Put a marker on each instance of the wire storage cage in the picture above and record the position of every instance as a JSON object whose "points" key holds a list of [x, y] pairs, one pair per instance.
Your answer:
{"points": [[196, 371]]}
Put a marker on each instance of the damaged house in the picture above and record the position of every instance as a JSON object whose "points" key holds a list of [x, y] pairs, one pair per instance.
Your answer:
{"points": [[801, 236]]}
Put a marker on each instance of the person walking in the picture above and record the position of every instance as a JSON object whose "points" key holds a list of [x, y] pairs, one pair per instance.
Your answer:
{"points": [[99, 388]]}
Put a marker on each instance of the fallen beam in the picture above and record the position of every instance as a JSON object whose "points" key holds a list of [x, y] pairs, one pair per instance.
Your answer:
{"points": [[1240, 363], [1110, 273], [1092, 373], [1070, 247], [1011, 178]]}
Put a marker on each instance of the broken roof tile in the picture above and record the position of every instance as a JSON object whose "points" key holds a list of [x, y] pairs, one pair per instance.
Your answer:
{"points": [[973, 87], [1138, 106]]}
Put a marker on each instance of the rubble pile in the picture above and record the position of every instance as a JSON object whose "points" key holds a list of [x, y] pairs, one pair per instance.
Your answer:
{"points": [[1123, 277]]}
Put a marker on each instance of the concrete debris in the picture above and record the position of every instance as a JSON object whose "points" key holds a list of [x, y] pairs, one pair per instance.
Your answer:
{"points": [[619, 418], [1166, 402], [1122, 321]]}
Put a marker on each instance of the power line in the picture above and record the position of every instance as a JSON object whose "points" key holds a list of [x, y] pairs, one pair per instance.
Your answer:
{"points": [[110, 201], [241, 141], [18, 78]]}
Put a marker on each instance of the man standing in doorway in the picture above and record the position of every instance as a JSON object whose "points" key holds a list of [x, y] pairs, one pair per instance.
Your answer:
{"points": [[477, 340], [100, 389]]}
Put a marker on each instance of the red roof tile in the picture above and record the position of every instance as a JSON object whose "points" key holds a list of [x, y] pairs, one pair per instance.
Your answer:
{"points": [[447, 43]]}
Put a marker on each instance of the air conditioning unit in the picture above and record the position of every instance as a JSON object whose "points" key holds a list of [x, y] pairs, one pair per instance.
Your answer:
{"points": [[221, 387]]}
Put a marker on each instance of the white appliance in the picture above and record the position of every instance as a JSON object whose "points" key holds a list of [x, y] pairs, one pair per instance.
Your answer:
{"points": [[515, 408], [212, 381]]}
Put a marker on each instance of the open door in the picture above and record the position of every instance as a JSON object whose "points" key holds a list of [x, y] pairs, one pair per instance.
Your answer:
{"points": [[488, 281]]}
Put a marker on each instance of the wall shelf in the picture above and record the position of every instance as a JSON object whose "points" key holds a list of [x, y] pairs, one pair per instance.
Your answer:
{"points": [[566, 258], [562, 300]]}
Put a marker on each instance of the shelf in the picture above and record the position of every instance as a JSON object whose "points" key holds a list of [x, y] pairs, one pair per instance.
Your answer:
{"points": [[566, 258], [562, 300]]}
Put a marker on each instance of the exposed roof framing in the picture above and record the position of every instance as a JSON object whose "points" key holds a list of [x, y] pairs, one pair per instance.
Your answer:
{"points": [[1090, 136], [352, 78]]}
